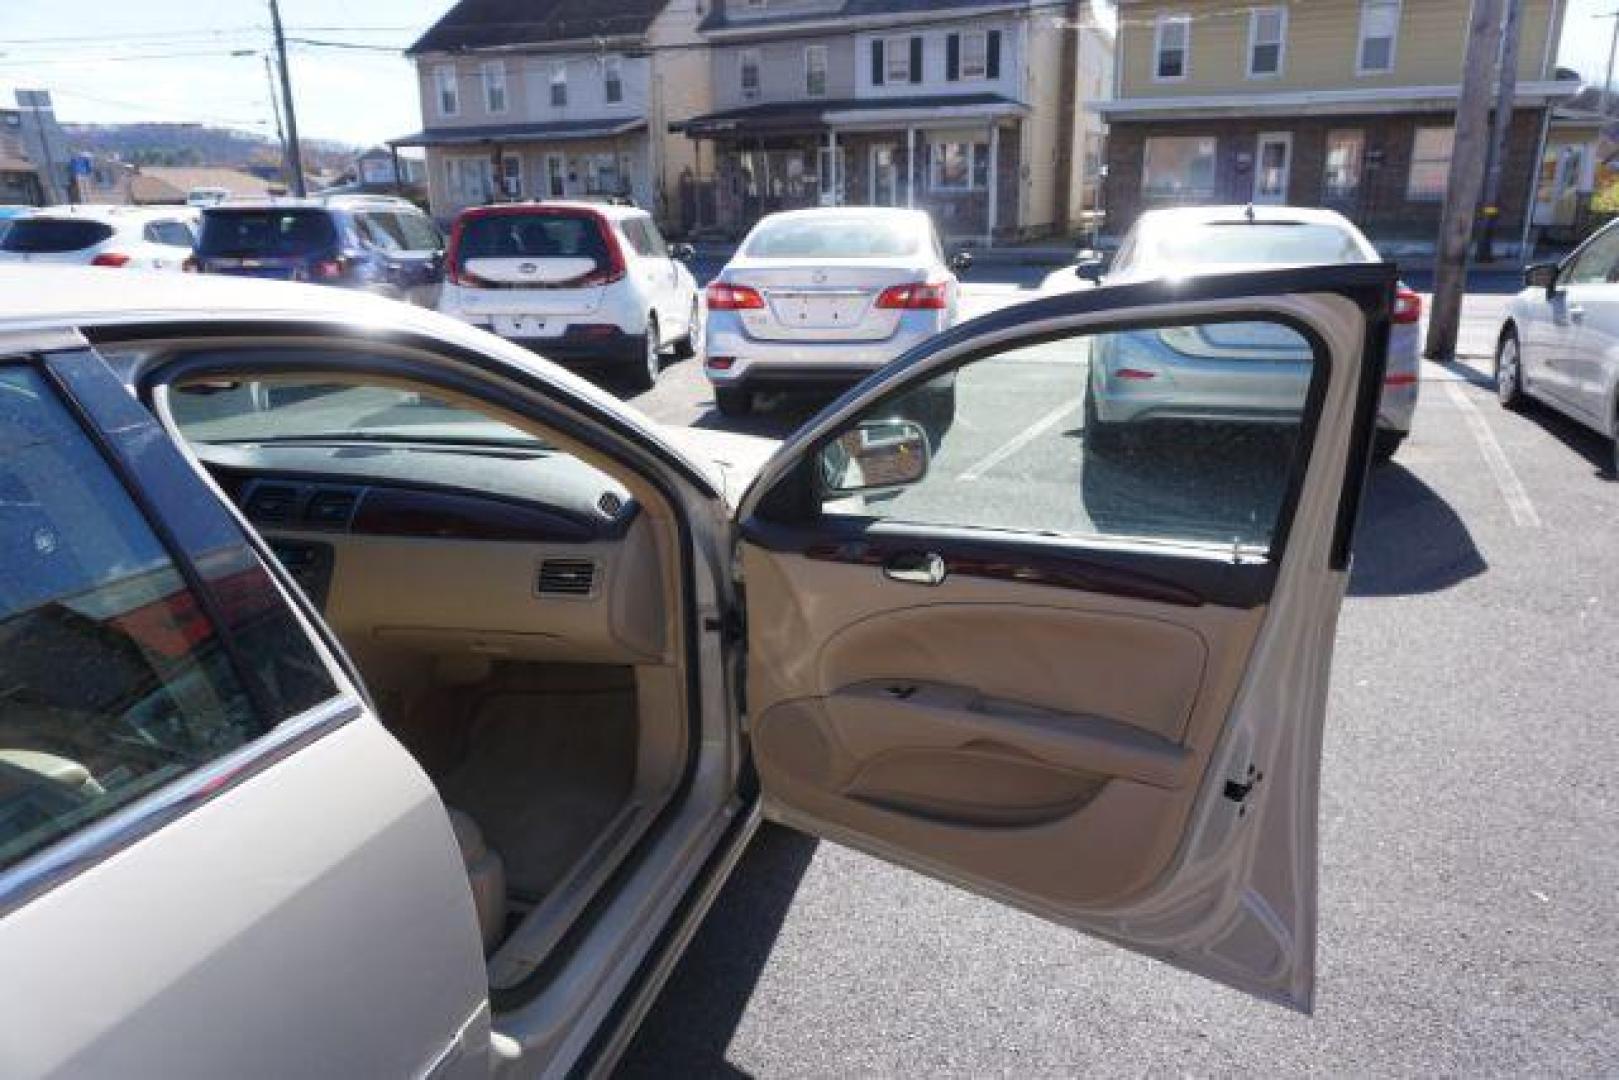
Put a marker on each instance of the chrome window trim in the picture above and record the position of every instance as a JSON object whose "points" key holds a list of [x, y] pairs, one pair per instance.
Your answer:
{"points": [[90, 846]]}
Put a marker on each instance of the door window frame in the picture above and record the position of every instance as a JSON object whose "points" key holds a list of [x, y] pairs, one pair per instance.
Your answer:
{"points": [[1275, 138]]}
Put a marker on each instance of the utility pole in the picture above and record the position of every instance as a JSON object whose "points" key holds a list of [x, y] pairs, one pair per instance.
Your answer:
{"points": [[1500, 125], [295, 158], [275, 111], [1465, 179], [1613, 47]]}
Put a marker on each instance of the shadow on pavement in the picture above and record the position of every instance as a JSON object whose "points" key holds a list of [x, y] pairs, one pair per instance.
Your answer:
{"points": [[774, 416], [695, 1016], [1410, 540], [1593, 447]]}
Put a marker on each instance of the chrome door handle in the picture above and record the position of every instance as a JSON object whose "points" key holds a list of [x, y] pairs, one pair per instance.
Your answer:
{"points": [[916, 568]]}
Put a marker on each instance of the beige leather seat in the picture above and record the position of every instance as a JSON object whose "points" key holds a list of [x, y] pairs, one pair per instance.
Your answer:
{"points": [[486, 873]]}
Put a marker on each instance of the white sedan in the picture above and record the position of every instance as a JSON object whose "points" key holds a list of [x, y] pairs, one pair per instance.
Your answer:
{"points": [[1559, 343], [125, 237]]}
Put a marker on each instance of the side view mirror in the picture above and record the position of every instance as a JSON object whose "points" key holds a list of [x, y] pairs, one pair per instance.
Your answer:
{"points": [[878, 454], [961, 262], [1541, 276], [1088, 265], [683, 252]]}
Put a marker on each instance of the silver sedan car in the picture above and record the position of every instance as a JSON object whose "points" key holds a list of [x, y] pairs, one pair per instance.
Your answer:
{"points": [[1240, 372], [824, 297]]}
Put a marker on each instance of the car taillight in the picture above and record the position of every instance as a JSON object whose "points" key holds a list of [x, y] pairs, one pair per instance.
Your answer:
{"points": [[721, 363], [329, 268], [923, 296], [605, 275], [724, 297], [110, 258], [1407, 306]]}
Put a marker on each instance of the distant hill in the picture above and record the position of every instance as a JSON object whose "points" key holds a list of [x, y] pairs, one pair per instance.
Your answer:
{"points": [[199, 144]]}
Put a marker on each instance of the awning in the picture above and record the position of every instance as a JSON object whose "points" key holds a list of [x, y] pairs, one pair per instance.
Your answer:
{"points": [[815, 117], [1381, 100], [558, 131]]}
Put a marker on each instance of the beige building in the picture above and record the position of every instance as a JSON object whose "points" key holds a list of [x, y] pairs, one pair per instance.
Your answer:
{"points": [[976, 111], [1348, 104], [551, 99]]}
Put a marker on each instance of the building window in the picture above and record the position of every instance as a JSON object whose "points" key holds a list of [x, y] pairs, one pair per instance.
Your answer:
{"points": [[749, 72], [974, 54], [897, 59], [556, 171], [1267, 37], [815, 70], [613, 79], [958, 166], [1179, 167], [511, 176], [1379, 27], [448, 93], [559, 86], [1430, 164], [494, 86], [1171, 46], [1341, 170]]}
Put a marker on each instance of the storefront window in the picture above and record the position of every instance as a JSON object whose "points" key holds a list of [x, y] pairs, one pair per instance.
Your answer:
{"points": [[1179, 167], [1430, 164], [958, 166]]}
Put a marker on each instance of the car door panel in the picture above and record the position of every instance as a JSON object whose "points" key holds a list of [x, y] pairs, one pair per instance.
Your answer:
{"points": [[305, 876], [1076, 734]]}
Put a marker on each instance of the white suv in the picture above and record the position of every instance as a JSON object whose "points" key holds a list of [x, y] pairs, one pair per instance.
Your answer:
{"points": [[582, 283], [131, 237]]}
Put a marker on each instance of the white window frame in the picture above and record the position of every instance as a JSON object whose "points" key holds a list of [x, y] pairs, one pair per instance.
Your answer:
{"points": [[748, 59], [975, 150], [1366, 7], [511, 191], [445, 77], [1278, 138], [559, 78], [1416, 135], [1359, 138], [612, 74], [1254, 17], [811, 51], [494, 80], [899, 47], [1184, 21], [964, 73]]}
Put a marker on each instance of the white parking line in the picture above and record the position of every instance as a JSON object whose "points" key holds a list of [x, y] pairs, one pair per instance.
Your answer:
{"points": [[1506, 479], [1019, 441]]}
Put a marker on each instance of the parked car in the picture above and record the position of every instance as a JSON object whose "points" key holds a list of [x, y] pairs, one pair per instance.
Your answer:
{"points": [[394, 725], [586, 283], [207, 196], [1144, 378], [1559, 343], [824, 297], [374, 243], [130, 237]]}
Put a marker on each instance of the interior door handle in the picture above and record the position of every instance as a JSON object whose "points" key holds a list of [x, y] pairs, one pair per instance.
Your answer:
{"points": [[916, 567]]}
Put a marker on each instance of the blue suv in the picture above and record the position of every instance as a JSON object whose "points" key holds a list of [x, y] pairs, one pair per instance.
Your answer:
{"points": [[377, 243]]}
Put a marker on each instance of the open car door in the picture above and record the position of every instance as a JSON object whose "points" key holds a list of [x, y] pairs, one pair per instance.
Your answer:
{"points": [[1066, 643]]}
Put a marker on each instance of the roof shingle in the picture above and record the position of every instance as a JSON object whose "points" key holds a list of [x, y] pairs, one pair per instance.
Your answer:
{"points": [[475, 24]]}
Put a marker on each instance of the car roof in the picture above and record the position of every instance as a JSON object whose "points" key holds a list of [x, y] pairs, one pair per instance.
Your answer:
{"points": [[873, 212], [112, 213], [611, 211], [1177, 216]]}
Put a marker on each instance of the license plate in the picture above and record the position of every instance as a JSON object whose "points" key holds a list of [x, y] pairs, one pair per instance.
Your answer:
{"points": [[521, 326], [820, 311]]}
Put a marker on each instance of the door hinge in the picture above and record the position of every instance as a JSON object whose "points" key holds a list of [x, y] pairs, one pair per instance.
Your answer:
{"points": [[1239, 790]]}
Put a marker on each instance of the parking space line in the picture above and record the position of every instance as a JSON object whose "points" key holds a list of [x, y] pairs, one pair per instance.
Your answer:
{"points": [[1506, 478], [1019, 441]]}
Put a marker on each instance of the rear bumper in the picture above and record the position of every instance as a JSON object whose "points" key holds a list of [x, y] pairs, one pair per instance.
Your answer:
{"points": [[577, 350], [810, 363]]}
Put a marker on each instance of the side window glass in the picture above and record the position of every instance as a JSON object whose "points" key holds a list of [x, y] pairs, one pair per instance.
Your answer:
{"points": [[1596, 265], [1183, 433], [114, 679], [655, 244], [635, 233]]}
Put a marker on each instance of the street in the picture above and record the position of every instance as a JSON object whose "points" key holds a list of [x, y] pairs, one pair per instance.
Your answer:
{"points": [[1468, 827]]}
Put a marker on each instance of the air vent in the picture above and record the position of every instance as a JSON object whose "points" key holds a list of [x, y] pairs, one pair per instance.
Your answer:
{"points": [[330, 509], [566, 577], [272, 503]]}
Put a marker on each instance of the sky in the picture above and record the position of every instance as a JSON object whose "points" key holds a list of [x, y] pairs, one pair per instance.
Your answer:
{"points": [[130, 60]]}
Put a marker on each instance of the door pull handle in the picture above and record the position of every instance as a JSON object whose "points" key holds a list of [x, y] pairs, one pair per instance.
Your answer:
{"points": [[916, 568]]}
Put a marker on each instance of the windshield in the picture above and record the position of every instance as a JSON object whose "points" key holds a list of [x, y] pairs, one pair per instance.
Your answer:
{"points": [[1222, 242], [831, 236], [266, 232], [287, 410], [49, 236]]}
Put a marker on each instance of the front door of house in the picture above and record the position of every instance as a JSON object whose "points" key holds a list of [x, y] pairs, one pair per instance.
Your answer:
{"points": [[1272, 163], [887, 182]]}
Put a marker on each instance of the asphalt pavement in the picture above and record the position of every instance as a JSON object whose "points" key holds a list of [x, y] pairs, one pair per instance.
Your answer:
{"points": [[1469, 828]]}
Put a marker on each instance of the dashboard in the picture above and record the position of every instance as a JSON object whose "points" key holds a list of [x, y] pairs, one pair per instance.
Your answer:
{"points": [[523, 553]]}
